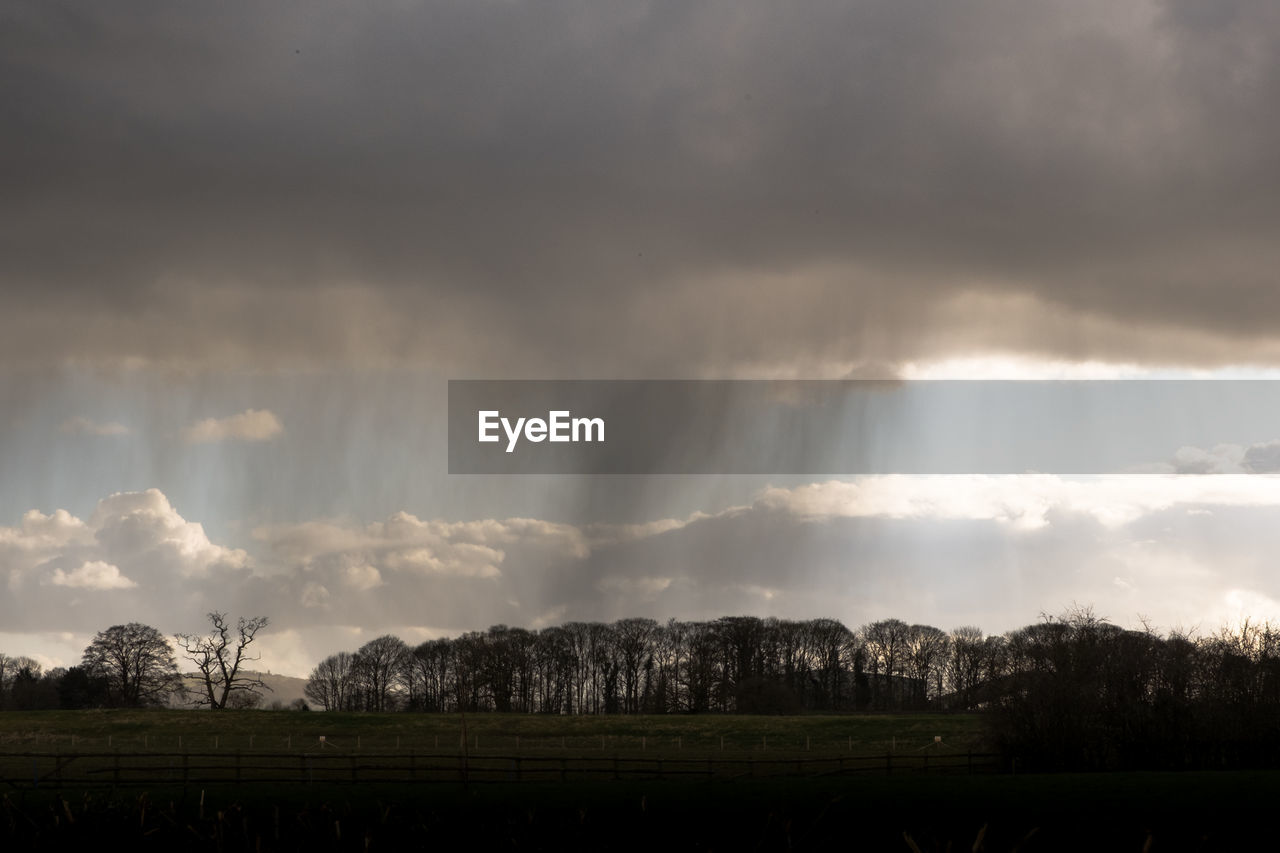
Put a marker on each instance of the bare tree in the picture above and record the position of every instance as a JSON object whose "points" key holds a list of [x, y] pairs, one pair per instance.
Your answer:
{"points": [[927, 650], [137, 663], [332, 682], [377, 667], [219, 656], [886, 646]]}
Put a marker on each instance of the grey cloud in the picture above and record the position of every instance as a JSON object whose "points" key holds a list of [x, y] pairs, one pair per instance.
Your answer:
{"points": [[663, 187], [84, 426], [1222, 459], [1259, 458], [1263, 458]]}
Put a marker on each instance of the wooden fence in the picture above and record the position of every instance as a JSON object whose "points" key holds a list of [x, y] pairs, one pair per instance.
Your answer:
{"points": [[59, 769]]}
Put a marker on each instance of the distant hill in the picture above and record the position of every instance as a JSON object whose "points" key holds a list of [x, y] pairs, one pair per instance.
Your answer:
{"points": [[285, 689]]}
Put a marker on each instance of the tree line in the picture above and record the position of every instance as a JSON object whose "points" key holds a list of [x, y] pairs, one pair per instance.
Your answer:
{"points": [[1068, 692], [735, 664], [134, 666]]}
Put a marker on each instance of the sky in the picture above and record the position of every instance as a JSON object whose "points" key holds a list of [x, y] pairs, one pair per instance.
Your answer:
{"points": [[244, 248]]}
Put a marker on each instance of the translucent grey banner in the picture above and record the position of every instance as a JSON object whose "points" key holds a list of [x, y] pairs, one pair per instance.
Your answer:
{"points": [[818, 428]]}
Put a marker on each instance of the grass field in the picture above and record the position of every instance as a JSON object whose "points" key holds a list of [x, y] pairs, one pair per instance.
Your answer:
{"points": [[155, 729], [903, 811]]}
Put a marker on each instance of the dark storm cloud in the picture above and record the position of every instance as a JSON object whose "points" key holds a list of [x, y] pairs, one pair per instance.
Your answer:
{"points": [[657, 186]]}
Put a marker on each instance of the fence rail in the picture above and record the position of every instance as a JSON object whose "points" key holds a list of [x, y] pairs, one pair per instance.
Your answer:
{"points": [[59, 769]]}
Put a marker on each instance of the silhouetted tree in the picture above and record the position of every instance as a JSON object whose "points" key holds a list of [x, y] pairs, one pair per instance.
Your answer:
{"points": [[137, 664], [332, 683], [219, 656]]}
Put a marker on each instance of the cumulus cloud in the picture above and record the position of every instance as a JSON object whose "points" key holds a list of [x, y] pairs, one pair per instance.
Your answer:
{"points": [[85, 426], [143, 529], [131, 539], [94, 574], [249, 425], [987, 550]]}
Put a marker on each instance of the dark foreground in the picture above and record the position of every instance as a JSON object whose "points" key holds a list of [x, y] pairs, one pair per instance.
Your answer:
{"points": [[1166, 811]]}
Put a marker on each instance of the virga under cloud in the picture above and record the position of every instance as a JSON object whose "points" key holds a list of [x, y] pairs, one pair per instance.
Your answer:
{"points": [[670, 187], [220, 220]]}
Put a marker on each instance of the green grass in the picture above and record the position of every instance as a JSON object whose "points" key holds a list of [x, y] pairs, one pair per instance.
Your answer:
{"points": [[153, 729], [1116, 811]]}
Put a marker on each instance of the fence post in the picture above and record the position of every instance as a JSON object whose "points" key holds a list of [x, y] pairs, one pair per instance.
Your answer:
{"points": [[888, 763], [115, 770], [237, 767], [354, 768], [186, 770], [562, 769]]}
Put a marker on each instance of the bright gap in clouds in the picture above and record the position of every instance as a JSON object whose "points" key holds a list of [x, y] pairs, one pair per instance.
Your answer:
{"points": [[992, 367]]}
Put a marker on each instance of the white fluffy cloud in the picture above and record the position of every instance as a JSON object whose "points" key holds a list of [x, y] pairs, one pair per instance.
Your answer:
{"points": [[129, 537], [93, 574], [249, 425]]}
